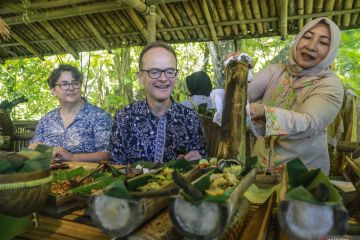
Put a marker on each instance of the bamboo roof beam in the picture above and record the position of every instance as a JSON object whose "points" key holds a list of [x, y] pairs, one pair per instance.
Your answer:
{"points": [[151, 24], [138, 22], [141, 7], [338, 6], [222, 15], [355, 16], [346, 18], [48, 4], [240, 16], [60, 39], [272, 8], [200, 16], [231, 13], [190, 13], [329, 6], [215, 17], [284, 19], [256, 11], [96, 33], [165, 23], [171, 19], [248, 14], [210, 22], [309, 4], [64, 13], [300, 12], [264, 10], [28, 46]]}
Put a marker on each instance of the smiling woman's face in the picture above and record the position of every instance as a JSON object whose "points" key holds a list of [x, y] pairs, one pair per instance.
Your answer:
{"points": [[313, 46]]}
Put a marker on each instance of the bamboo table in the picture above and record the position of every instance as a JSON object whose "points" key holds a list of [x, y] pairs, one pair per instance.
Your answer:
{"points": [[69, 226]]}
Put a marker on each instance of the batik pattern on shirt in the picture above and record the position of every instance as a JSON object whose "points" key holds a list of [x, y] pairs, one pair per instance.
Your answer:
{"points": [[89, 132], [135, 134]]}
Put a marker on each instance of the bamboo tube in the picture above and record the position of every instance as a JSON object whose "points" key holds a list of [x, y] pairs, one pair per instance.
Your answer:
{"points": [[259, 223], [319, 4], [127, 26], [178, 19], [240, 16], [208, 219], [4, 29], [138, 22], [186, 20], [355, 16], [210, 23], [94, 30], [346, 17], [291, 12], [237, 222], [300, 12], [233, 130], [167, 24], [222, 14], [308, 9], [284, 19], [215, 17], [257, 15], [248, 14], [28, 46]]}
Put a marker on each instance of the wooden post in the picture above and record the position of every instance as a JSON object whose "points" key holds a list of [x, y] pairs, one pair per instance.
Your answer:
{"points": [[151, 24]]}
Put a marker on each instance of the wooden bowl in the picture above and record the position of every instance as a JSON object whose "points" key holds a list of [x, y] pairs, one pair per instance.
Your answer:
{"points": [[23, 193]]}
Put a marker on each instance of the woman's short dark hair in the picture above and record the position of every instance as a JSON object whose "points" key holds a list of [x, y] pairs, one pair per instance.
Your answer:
{"points": [[156, 44], [55, 74]]}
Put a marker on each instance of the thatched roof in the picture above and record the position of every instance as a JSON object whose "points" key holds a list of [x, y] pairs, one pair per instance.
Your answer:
{"points": [[49, 27]]}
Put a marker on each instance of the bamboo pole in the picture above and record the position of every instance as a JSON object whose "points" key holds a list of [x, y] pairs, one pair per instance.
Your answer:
{"points": [[257, 15], [200, 17], [222, 15], [338, 6], [215, 17], [210, 22], [355, 16], [249, 15], [241, 16], [264, 10], [171, 19], [194, 22], [308, 9], [284, 19], [230, 12], [4, 29], [291, 12], [137, 21], [64, 13], [347, 17], [26, 45], [273, 12], [329, 6], [166, 24], [96, 33], [300, 12], [151, 24]]}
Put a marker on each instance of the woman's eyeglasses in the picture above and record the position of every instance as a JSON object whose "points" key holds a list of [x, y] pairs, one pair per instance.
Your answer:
{"points": [[156, 72], [66, 85]]}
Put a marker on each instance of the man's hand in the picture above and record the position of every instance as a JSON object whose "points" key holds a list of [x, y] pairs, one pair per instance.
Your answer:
{"points": [[192, 155], [61, 154], [257, 111]]}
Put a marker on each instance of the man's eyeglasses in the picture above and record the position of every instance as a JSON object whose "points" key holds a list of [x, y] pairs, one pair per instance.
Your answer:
{"points": [[66, 85], [156, 72]]}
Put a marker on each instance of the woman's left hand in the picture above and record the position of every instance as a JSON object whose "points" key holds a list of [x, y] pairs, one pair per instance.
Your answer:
{"points": [[257, 111], [192, 155], [61, 154]]}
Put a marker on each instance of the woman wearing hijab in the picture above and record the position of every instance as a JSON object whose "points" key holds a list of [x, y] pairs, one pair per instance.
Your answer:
{"points": [[292, 104], [199, 89]]}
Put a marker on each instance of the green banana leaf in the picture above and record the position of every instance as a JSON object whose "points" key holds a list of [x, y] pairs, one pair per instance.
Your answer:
{"points": [[302, 181], [100, 182], [120, 189], [68, 174], [12, 226]]}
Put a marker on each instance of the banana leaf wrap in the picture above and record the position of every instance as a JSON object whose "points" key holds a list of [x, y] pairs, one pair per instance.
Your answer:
{"points": [[301, 182]]}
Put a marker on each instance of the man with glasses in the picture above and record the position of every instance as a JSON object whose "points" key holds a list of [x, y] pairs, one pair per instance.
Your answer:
{"points": [[157, 129], [78, 130]]}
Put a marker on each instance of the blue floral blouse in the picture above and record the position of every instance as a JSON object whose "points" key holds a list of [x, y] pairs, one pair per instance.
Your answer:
{"points": [[137, 134], [89, 132]]}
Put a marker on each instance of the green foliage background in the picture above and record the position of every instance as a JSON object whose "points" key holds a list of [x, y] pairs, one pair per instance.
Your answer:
{"points": [[106, 86]]}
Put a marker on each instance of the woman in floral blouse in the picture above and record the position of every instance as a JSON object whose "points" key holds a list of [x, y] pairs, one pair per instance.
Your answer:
{"points": [[78, 130], [292, 104]]}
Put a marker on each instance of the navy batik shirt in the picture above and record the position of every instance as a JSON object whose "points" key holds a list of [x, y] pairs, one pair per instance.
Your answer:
{"points": [[89, 132], [138, 134]]}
